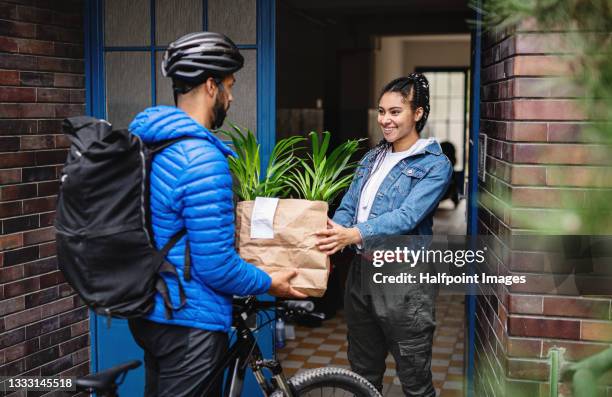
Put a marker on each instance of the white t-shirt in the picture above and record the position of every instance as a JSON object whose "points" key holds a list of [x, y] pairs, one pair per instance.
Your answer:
{"points": [[376, 179]]}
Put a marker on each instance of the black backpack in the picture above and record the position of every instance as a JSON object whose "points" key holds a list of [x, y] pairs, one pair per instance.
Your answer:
{"points": [[104, 235]]}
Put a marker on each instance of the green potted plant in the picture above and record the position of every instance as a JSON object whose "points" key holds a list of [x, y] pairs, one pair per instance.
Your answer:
{"points": [[298, 192]]}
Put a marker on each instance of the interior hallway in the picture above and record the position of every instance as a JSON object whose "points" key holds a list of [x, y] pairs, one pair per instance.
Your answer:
{"points": [[327, 346]]}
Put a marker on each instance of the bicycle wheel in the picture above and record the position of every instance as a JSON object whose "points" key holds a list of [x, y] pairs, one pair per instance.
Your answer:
{"points": [[330, 382]]}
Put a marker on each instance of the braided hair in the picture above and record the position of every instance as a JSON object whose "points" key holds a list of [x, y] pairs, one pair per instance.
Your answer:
{"points": [[415, 84]]}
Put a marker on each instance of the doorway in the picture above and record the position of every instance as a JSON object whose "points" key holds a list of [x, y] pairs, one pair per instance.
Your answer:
{"points": [[333, 57]]}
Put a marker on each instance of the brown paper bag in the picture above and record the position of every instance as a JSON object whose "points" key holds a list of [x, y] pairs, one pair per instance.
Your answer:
{"points": [[293, 245]]}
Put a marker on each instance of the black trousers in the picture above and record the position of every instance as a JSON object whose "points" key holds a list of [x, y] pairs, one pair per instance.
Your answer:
{"points": [[178, 360], [381, 320]]}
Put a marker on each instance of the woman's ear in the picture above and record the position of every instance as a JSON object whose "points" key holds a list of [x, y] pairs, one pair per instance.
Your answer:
{"points": [[418, 114]]}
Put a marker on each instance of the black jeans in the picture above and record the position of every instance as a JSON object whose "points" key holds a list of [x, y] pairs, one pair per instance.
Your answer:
{"points": [[380, 321], [178, 360]]}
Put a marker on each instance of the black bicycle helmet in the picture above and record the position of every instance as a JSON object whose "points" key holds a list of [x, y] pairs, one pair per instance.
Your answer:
{"points": [[197, 56]]}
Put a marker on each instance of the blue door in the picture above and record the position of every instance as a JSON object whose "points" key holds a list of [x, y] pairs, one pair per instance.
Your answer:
{"points": [[124, 43]]}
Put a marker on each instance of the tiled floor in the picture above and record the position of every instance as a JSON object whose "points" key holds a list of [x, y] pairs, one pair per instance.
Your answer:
{"points": [[326, 345]]}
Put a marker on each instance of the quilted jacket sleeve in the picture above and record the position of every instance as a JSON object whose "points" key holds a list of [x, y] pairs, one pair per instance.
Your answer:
{"points": [[203, 195]]}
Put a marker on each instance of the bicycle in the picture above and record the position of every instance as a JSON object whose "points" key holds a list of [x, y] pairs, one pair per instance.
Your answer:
{"points": [[245, 352]]}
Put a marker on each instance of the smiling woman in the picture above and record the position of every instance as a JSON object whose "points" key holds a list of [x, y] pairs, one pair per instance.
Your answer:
{"points": [[396, 189]]}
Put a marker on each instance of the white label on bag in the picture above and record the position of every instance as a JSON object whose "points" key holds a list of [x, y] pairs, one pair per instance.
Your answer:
{"points": [[262, 219]]}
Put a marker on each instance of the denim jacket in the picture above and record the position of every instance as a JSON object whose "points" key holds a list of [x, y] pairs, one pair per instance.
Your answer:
{"points": [[407, 198]]}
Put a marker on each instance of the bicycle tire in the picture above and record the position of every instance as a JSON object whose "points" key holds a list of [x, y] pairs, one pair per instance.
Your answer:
{"points": [[330, 377]]}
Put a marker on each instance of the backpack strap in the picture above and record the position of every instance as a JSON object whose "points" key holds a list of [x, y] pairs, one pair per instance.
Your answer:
{"points": [[163, 266], [152, 150]]}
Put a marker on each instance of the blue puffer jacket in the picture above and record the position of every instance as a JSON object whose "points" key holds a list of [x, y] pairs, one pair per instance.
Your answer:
{"points": [[191, 187]]}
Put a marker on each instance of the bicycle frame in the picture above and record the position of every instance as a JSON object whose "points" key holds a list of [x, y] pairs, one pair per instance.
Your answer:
{"points": [[245, 352]]}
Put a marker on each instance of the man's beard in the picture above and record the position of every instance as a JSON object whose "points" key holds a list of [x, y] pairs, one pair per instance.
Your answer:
{"points": [[219, 113]]}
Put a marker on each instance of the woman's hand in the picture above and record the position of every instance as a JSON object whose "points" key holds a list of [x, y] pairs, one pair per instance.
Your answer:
{"points": [[336, 237]]}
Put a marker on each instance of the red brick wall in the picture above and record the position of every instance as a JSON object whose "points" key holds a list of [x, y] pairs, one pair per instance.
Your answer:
{"points": [[538, 158], [43, 325]]}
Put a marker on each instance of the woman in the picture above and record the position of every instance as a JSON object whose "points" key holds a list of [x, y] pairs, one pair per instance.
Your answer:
{"points": [[396, 188]]}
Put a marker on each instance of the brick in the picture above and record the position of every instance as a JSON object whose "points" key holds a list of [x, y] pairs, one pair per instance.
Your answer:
{"points": [[15, 367], [69, 80], [48, 64], [20, 223], [69, 110], [12, 338], [525, 304], [26, 110], [50, 126], [79, 328], [43, 204], [21, 287], [52, 95], [17, 94], [77, 96], [8, 11], [58, 33], [46, 157], [542, 43], [36, 142], [22, 318], [11, 209], [17, 192], [65, 290], [560, 154], [549, 109], [39, 236], [540, 65], [596, 331], [74, 345], [42, 357], [11, 241], [10, 160], [570, 132], [10, 176], [546, 328], [8, 306], [57, 366], [575, 350], [8, 44], [48, 188], [527, 369], [47, 219], [35, 15], [577, 307], [544, 197], [18, 61], [81, 356], [9, 77], [36, 174], [522, 347], [17, 29], [55, 337], [579, 176], [41, 327], [18, 127], [37, 79], [20, 255], [36, 47], [22, 349], [9, 143], [73, 316], [527, 175], [41, 297], [46, 250], [62, 141], [66, 50]]}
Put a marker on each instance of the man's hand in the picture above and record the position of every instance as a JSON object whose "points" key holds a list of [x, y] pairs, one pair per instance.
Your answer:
{"points": [[280, 285], [336, 237]]}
